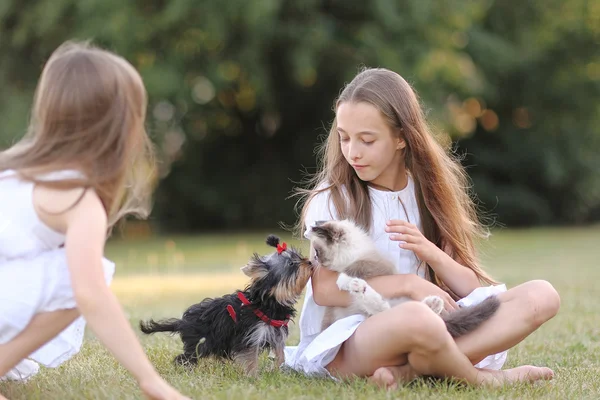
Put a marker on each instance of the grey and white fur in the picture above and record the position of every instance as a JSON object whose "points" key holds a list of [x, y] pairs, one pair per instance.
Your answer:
{"points": [[344, 247]]}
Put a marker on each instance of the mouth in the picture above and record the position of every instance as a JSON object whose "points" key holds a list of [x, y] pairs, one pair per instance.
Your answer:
{"points": [[358, 166]]}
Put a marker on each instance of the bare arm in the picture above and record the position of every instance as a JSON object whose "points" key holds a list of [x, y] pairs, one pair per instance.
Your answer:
{"points": [[85, 237], [326, 292], [460, 279]]}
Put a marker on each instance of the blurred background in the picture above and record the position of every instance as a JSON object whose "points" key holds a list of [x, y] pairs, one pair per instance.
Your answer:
{"points": [[241, 92]]}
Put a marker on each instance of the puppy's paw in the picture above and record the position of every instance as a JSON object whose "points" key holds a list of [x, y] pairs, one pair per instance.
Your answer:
{"points": [[435, 303]]}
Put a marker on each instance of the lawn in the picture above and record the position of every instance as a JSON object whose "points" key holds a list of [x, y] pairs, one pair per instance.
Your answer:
{"points": [[160, 277]]}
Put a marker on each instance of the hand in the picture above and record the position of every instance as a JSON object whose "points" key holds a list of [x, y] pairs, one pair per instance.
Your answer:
{"points": [[419, 288], [158, 389], [411, 238]]}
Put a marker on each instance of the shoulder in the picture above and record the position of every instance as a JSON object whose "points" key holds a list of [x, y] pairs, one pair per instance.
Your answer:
{"points": [[321, 202], [58, 208], [319, 207]]}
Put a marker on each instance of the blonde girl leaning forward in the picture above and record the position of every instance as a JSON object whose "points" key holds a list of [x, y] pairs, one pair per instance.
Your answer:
{"points": [[85, 162]]}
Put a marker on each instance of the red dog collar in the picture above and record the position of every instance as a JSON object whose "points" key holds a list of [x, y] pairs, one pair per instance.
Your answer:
{"points": [[259, 314]]}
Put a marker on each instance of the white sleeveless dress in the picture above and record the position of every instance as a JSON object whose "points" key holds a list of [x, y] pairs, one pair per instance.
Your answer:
{"points": [[318, 348], [34, 276]]}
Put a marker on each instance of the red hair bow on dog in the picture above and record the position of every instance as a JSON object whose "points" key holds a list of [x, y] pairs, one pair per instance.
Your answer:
{"points": [[281, 247]]}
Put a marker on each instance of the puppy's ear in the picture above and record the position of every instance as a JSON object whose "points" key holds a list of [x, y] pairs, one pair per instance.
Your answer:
{"points": [[256, 268]]}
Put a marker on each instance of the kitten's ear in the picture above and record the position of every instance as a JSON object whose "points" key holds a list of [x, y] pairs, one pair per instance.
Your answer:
{"points": [[322, 232], [337, 234], [255, 269]]}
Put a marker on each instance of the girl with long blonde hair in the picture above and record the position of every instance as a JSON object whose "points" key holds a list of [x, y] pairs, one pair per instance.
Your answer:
{"points": [[382, 167], [85, 162]]}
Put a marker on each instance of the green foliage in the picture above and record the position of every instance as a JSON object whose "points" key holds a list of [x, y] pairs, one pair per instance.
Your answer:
{"points": [[240, 92]]}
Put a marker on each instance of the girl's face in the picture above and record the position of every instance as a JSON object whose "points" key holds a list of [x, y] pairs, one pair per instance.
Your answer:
{"points": [[370, 145]]}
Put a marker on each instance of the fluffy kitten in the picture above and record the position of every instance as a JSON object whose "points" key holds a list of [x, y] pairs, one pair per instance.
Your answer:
{"points": [[343, 247]]}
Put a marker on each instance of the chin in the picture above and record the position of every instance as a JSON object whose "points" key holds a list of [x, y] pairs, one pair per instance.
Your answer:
{"points": [[366, 177]]}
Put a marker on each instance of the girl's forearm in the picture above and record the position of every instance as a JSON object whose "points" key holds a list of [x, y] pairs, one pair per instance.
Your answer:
{"points": [[327, 293], [460, 279], [105, 317]]}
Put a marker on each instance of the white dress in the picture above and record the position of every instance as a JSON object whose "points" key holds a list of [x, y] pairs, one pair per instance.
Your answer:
{"points": [[318, 348], [34, 276]]}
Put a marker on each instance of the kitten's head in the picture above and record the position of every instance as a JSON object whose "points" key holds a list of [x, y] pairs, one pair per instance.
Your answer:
{"points": [[335, 244], [282, 274]]}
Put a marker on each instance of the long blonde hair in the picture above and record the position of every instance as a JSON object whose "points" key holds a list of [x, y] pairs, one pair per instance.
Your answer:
{"points": [[88, 114], [448, 212]]}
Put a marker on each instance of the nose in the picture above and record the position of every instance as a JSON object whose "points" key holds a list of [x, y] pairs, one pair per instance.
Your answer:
{"points": [[354, 151]]}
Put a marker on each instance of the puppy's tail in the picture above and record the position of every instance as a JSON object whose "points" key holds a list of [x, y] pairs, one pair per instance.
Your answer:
{"points": [[167, 325], [467, 319]]}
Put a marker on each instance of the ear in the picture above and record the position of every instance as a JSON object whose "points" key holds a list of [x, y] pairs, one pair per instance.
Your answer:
{"points": [[401, 144], [322, 232], [255, 269]]}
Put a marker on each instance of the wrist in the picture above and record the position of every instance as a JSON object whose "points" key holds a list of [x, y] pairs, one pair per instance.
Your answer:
{"points": [[439, 258], [406, 285], [147, 376]]}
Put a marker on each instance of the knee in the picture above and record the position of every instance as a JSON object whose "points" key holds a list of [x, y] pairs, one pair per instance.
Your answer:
{"points": [[543, 301], [422, 327]]}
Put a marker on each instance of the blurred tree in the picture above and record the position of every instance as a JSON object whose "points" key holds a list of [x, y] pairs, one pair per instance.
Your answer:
{"points": [[535, 149], [239, 92]]}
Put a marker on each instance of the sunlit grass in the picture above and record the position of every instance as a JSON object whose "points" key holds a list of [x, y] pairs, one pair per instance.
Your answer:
{"points": [[161, 277]]}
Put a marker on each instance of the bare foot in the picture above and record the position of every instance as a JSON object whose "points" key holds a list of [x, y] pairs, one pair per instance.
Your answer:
{"points": [[522, 374], [389, 377], [528, 373]]}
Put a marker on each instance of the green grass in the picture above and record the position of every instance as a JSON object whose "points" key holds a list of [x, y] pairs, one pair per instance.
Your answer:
{"points": [[161, 277]]}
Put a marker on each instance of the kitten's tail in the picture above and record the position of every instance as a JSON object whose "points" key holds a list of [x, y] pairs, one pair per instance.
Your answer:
{"points": [[467, 319], [167, 325]]}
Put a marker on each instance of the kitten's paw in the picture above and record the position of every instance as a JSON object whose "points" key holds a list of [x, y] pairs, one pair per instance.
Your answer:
{"points": [[435, 303], [343, 282], [357, 285]]}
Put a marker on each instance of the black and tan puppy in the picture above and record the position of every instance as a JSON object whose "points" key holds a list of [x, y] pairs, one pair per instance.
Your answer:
{"points": [[240, 325]]}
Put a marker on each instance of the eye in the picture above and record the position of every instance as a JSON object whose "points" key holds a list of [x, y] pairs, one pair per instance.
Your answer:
{"points": [[368, 143], [344, 139]]}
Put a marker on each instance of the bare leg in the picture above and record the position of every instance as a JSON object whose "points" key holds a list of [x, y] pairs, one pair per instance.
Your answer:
{"points": [[412, 332], [526, 306], [42, 328], [248, 359], [523, 309], [279, 356]]}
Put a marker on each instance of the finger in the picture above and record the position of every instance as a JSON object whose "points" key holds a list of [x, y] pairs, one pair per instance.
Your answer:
{"points": [[401, 222], [403, 229], [396, 222], [404, 238], [451, 302], [409, 246], [448, 307]]}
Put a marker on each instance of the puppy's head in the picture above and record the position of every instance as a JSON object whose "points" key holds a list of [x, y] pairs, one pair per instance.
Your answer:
{"points": [[282, 274]]}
